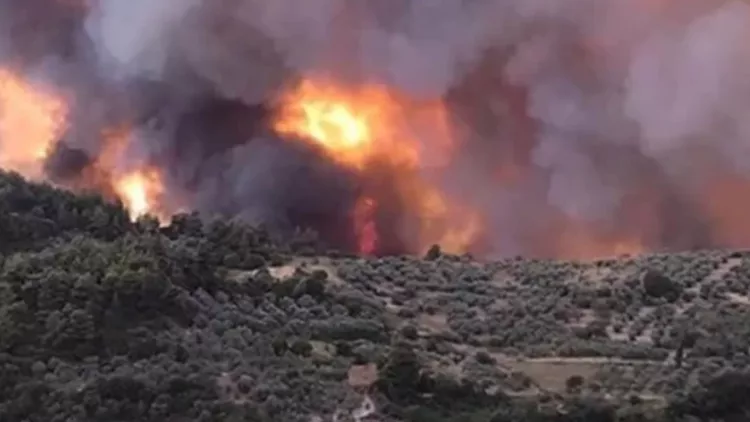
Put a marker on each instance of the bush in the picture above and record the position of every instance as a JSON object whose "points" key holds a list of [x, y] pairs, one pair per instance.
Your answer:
{"points": [[574, 383], [657, 285]]}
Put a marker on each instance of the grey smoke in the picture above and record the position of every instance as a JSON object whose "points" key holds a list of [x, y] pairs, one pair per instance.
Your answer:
{"points": [[609, 96]]}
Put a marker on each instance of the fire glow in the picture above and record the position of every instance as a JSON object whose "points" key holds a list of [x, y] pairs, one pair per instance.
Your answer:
{"points": [[138, 190], [370, 129], [492, 127], [31, 120]]}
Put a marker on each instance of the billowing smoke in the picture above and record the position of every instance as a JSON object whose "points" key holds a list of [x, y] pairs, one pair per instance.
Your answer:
{"points": [[577, 128]]}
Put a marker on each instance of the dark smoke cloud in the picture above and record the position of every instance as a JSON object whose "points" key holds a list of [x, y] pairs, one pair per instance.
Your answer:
{"points": [[623, 116]]}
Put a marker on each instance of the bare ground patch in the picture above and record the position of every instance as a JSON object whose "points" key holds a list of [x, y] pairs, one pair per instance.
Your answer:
{"points": [[283, 272]]}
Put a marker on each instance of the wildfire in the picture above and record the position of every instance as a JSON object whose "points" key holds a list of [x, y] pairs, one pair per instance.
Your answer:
{"points": [[141, 188], [364, 224], [451, 226], [353, 127], [139, 191], [33, 118], [31, 121], [370, 129]]}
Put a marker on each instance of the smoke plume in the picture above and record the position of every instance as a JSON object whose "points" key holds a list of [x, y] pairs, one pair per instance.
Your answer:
{"points": [[574, 128]]}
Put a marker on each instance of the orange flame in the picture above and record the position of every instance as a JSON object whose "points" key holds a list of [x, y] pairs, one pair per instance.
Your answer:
{"points": [[364, 221], [33, 118], [31, 121], [370, 128], [139, 191], [344, 123], [454, 227]]}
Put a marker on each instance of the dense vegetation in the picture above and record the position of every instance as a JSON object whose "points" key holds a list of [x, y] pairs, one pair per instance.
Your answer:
{"points": [[102, 319]]}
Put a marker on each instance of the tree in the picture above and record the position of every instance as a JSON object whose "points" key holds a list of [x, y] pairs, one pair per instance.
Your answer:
{"points": [[433, 253], [656, 284], [400, 376], [723, 397]]}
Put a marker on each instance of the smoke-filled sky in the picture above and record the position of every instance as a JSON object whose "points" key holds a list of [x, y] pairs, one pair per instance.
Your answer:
{"points": [[573, 128]]}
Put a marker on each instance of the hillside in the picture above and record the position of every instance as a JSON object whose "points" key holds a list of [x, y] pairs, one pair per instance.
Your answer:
{"points": [[102, 319]]}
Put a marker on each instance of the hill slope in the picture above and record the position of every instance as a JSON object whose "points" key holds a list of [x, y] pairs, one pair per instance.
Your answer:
{"points": [[106, 320]]}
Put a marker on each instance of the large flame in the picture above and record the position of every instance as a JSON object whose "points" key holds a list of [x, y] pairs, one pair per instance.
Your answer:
{"points": [[353, 127], [139, 190], [140, 187], [31, 121], [370, 128]]}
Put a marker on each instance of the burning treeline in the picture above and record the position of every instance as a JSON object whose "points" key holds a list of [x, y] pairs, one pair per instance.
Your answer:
{"points": [[575, 128]]}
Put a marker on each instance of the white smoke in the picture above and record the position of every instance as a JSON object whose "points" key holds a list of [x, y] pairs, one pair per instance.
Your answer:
{"points": [[134, 38], [683, 85]]}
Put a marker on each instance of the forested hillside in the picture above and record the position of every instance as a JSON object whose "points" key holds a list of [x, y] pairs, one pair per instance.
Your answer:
{"points": [[102, 319]]}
